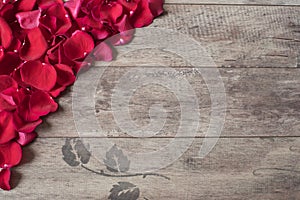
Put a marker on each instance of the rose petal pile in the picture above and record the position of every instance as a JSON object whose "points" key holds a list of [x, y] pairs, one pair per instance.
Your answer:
{"points": [[43, 44]]}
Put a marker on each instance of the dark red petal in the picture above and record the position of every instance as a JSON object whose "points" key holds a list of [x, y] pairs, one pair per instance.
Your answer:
{"points": [[142, 16], [39, 75], [65, 75], [103, 52], [100, 34], [78, 46], [41, 103], [57, 90], [15, 45], [7, 129], [110, 12], [5, 105], [62, 19], [29, 20], [26, 5], [9, 62], [6, 82], [5, 33], [98, 30], [26, 138], [45, 4], [8, 12], [23, 126], [129, 5], [156, 7], [10, 154], [24, 111], [4, 179], [8, 87], [35, 45]]}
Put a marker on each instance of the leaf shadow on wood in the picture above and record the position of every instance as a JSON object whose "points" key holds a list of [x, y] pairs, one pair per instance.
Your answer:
{"points": [[16, 176]]}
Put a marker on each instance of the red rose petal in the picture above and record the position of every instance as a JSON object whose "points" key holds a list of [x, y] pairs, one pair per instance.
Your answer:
{"points": [[10, 154], [34, 46], [42, 104], [23, 110], [5, 33], [9, 62], [7, 129], [57, 90], [142, 16], [7, 103], [57, 19], [65, 75], [5, 179], [39, 75], [126, 32], [23, 126], [45, 4], [99, 31], [129, 5], [156, 7], [26, 5], [8, 87], [6, 82], [78, 46], [29, 20], [8, 12], [109, 12], [26, 138]]}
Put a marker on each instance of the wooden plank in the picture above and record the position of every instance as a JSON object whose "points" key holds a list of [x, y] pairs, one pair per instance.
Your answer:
{"points": [[260, 102], [240, 36], [236, 169], [242, 2]]}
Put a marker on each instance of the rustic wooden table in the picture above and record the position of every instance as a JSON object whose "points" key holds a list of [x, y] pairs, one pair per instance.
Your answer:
{"points": [[256, 46]]}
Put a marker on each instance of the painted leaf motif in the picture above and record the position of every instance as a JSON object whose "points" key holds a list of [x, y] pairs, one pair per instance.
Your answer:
{"points": [[75, 152], [116, 161], [124, 191]]}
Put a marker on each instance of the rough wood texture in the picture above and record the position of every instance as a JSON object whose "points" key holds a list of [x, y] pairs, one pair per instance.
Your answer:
{"points": [[243, 2], [258, 168], [260, 102], [247, 36], [255, 44]]}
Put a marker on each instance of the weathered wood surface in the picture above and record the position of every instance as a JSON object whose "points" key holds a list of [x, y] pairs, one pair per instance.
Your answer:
{"points": [[260, 102], [240, 36], [256, 47], [257, 168], [243, 2]]}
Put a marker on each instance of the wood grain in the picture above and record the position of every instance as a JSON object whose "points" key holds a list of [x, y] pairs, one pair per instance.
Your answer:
{"points": [[255, 45], [242, 2], [240, 36], [254, 168], [260, 102]]}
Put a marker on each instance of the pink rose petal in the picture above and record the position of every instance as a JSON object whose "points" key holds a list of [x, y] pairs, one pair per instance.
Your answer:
{"points": [[26, 138], [29, 19]]}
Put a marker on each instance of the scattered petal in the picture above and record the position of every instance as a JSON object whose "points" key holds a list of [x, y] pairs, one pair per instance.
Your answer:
{"points": [[29, 19], [39, 75]]}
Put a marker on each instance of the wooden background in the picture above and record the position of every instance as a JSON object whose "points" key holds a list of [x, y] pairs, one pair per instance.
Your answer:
{"points": [[256, 45]]}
